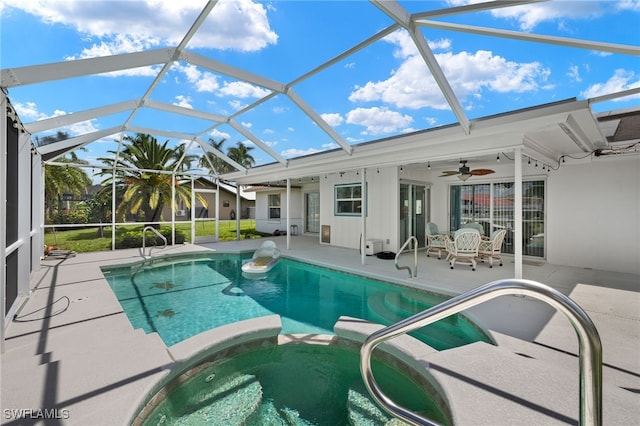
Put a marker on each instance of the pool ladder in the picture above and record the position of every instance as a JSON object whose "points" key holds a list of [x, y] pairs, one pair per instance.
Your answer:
{"points": [[412, 273], [144, 240], [590, 347]]}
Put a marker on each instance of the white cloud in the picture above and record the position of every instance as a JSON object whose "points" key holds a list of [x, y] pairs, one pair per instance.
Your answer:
{"points": [[246, 124], [183, 101], [330, 145], [619, 81], [291, 129], [378, 120], [574, 73], [128, 26], [241, 89], [413, 86], [203, 82], [217, 135], [628, 5], [333, 119], [294, 152], [529, 16]]}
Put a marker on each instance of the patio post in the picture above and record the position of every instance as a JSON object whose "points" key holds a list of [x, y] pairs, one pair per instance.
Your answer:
{"points": [[363, 212], [3, 216], [517, 214], [288, 213]]}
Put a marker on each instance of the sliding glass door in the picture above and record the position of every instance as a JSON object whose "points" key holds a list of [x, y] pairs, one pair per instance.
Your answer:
{"points": [[491, 205]]}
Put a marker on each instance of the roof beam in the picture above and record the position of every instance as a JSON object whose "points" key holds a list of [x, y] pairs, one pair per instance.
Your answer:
{"points": [[230, 71], [78, 117], [318, 120], [402, 17], [208, 148], [21, 76], [78, 141], [474, 7], [189, 112], [516, 35], [257, 141], [166, 133]]}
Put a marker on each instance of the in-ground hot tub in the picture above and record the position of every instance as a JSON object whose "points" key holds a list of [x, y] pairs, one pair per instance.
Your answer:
{"points": [[251, 378]]}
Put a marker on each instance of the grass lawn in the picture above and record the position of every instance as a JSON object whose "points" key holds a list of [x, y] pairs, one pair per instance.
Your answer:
{"points": [[87, 239]]}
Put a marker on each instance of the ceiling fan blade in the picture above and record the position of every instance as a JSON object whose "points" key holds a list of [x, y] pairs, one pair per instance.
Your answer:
{"points": [[481, 172], [449, 173]]}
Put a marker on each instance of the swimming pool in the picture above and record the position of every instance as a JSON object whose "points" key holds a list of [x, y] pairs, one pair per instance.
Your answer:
{"points": [[181, 296]]}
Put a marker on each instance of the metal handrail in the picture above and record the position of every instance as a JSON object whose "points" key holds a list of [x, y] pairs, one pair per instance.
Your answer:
{"points": [[415, 257], [590, 347], [144, 240]]}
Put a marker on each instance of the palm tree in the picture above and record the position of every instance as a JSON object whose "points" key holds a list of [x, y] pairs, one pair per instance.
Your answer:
{"points": [[61, 179], [144, 189], [240, 154], [219, 165]]}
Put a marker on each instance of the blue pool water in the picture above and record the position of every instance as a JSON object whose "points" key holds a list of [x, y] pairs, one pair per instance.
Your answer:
{"points": [[182, 296]]}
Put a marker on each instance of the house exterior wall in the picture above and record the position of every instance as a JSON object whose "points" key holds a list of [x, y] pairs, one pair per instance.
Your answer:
{"points": [[225, 197], [593, 216], [264, 224], [382, 211]]}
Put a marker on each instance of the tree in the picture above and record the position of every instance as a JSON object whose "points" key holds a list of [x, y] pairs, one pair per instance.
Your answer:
{"points": [[219, 165], [61, 179], [240, 154], [144, 189]]}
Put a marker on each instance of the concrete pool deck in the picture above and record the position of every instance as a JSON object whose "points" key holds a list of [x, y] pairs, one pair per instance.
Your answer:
{"points": [[72, 351]]}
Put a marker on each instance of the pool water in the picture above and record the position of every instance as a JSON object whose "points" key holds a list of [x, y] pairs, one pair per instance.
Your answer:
{"points": [[182, 296], [289, 385]]}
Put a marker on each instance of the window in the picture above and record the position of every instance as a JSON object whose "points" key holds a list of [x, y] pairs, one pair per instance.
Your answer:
{"points": [[348, 200], [274, 206]]}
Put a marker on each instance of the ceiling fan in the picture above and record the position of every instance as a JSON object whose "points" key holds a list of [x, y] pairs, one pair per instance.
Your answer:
{"points": [[465, 173]]}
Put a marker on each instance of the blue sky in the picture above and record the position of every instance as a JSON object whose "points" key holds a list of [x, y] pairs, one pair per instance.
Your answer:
{"points": [[381, 91]]}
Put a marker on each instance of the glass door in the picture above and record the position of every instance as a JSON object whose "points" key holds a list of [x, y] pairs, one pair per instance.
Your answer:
{"points": [[312, 212], [413, 212]]}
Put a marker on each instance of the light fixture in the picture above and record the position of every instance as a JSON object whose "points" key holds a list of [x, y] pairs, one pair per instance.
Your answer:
{"points": [[498, 157], [529, 162], [428, 165], [464, 176]]}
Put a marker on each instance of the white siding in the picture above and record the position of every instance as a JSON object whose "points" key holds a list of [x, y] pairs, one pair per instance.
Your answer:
{"points": [[264, 224], [593, 215]]}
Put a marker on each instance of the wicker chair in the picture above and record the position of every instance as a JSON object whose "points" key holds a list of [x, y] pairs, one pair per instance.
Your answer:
{"points": [[474, 225], [435, 240], [491, 248], [464, 247]]}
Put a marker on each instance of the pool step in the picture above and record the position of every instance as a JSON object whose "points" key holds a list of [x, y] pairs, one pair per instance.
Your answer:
{"points": [[440, 336], [230, 401], [362, 411]]}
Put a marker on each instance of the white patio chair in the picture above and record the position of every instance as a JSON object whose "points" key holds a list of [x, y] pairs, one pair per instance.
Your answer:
{"points": [[435, 240], [464, 247], [474, 225], [492, 248]]}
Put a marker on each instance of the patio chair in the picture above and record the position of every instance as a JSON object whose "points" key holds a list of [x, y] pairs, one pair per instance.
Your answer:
{"points": [[464, 247], [474, 225], [435, 240], [492, 248]]}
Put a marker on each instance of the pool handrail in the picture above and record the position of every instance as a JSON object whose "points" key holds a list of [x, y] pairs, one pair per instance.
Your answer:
{"points": [[590, 346], [412, 273], [144, 240]]}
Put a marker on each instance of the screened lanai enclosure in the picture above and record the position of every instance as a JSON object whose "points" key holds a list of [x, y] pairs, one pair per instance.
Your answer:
{"points": [[139, 118]]}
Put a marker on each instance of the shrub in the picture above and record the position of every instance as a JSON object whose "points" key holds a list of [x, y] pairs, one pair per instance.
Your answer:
{"points": [[133, 239]]}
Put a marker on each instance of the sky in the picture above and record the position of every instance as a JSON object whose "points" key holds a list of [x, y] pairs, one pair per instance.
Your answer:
{"points": [[381, 91]]}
